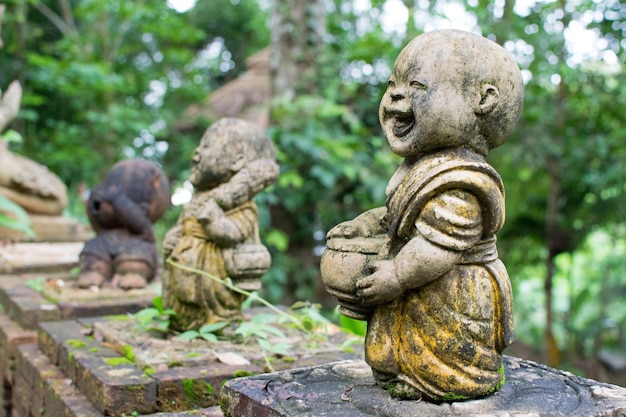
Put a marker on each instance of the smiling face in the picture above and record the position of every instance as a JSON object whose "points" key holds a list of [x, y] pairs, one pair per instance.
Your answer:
{"points": [[215, 160], [428, 104]]}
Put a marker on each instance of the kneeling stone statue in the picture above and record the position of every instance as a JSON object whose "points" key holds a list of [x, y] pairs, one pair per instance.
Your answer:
{"points": [[424, 270]]}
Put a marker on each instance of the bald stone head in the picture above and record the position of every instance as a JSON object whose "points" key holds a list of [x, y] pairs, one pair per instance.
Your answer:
{"points": [[451, 88]]}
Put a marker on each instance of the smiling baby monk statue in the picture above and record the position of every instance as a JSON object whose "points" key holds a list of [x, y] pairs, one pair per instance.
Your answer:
{"points": [[424, 270]]}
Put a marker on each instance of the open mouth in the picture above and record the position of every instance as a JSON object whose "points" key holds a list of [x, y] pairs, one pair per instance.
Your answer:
{"points": [[402, 122]]}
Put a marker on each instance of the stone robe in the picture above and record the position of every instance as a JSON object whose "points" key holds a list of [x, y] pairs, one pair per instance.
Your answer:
{"points": [[196, 298], [445, 338]]}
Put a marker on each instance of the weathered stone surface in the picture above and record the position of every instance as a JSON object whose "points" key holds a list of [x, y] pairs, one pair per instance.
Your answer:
{"points": [[217, 232], [60, 299], [348, 389], [11, 336], [42, 390], [435, 295], [112, 362], [39, 257], [111, 383], [24, 305]]}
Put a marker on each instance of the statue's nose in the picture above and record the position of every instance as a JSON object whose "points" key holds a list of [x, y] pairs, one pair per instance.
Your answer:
{"points": [[397, 94]]}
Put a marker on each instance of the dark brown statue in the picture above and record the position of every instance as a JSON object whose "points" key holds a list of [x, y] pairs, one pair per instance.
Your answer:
{"points": [[122, 209]]}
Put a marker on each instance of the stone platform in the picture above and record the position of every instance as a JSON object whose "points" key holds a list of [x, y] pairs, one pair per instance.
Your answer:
{"points": [[31, 298], [50, 229], [347, 389], [39, 256], [108, 366], [28, 299]]}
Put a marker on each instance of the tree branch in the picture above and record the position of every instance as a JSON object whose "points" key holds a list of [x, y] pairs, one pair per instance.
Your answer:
{"points": [[53, 17]]}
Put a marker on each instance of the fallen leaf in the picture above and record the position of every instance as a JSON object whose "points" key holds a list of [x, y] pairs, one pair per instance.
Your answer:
{"points": [[232, 358]]}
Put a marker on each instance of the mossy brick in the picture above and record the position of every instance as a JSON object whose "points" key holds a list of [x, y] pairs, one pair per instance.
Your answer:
{"points": [[24, 305], [34, 366], [73, 350], [26, 397], [183, 388], [52, 335], [51, 393], [21, 394], [115, 387], [112, 388], [65, 400], [35, 369], [30, 309], [12, 335]]}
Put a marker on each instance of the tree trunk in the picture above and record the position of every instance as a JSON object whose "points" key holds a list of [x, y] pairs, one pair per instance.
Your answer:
{"points": [[298, 30], [551, 236], [557, 239]]}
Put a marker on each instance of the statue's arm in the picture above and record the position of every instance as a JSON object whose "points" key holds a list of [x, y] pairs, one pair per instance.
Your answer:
{"points": [[448, 225], [130, 215], [220, 228], [133, 217]]}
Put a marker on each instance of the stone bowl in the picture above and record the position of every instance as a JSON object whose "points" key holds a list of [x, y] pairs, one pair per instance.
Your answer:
{"points": [[345, 261]]}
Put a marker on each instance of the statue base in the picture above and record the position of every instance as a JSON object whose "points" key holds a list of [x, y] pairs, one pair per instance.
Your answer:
{"points": [[348, 389]]}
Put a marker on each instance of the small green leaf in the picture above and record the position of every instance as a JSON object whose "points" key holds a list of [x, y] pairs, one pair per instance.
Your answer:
{"points": [[265, 345], [169, 312], [188, 335], [158, 303], [213, 327], [147, 313], [209, 337], [11, 136], [273, 330], [281, 348], [308, 323]]}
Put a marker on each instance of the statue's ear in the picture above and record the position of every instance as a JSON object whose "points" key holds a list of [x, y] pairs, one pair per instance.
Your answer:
{"points": [[487, 99]]}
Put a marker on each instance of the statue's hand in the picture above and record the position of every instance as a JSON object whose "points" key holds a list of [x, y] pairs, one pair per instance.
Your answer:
{"points": [[210, 212], [350, 229], [381, 286]]}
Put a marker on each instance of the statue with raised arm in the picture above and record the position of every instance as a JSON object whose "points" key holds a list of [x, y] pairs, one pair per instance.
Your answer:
{"points": [[217, 231], [424, 270]]}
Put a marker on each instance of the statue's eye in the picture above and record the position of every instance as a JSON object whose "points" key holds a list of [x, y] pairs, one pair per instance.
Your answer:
{"points": [[391, 84], [417, 84]]}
